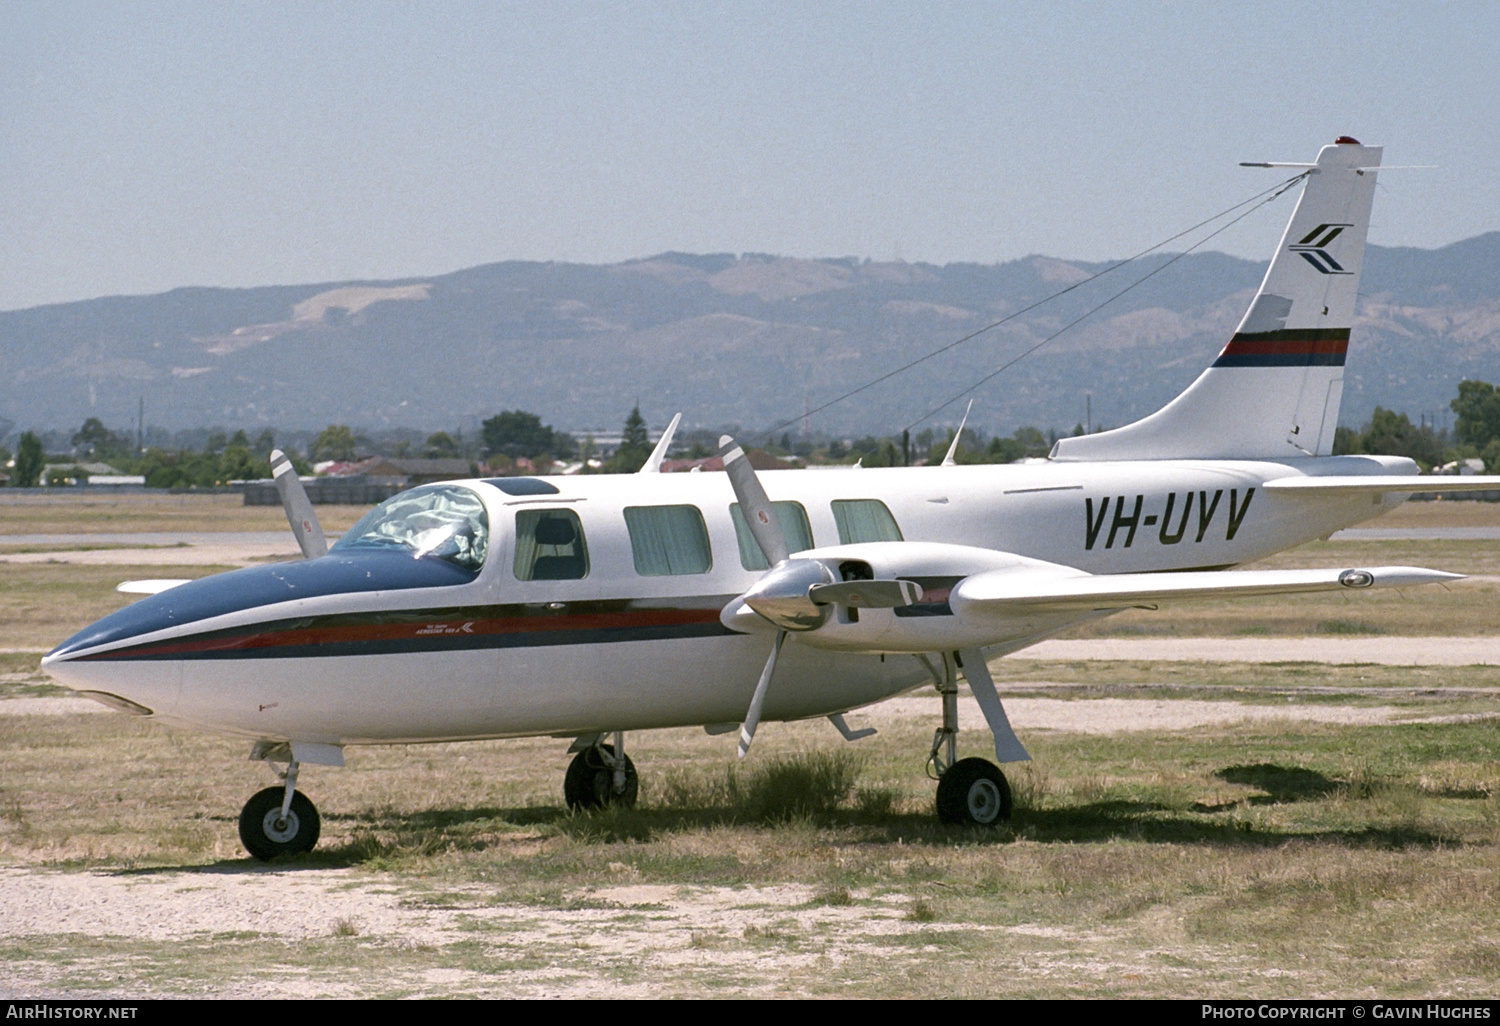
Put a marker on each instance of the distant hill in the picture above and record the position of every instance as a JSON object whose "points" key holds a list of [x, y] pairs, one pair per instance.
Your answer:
{"points": [[747, 339]]}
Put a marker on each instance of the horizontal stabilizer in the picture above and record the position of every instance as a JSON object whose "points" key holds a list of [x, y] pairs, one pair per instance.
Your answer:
{"points": [[1331, 485], [152, 587], [1007, 593]]}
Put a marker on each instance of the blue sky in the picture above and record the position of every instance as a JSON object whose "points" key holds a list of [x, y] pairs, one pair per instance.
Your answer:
{"points": [[151, 146]]}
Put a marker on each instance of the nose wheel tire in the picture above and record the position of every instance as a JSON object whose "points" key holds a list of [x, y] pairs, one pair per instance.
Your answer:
{"points": [[265, 834], [590, 784], [973, 791]]}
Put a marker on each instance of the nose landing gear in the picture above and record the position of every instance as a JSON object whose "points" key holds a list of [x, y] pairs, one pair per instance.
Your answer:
{"points": [[279, 820], [266, 831]]}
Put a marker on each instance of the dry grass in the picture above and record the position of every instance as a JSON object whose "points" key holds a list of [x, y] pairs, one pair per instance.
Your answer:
{"points": [[46, 603], [82, 512], [1286, 861]]}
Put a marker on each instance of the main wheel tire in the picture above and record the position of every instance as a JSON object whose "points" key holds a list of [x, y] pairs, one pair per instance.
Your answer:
{"points": [[973, 791], [266, 835], [590, 784]]}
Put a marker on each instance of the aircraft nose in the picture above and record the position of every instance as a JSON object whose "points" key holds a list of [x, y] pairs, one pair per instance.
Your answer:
{"points": [[248, 590]]}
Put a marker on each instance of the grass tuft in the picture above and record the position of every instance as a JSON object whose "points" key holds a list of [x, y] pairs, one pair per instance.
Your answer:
{"points": [[877, 802], [1028, 788], [1481, 958], [1348, 627], [921, 911], [789, 787], [810, 784], [837, 897]]}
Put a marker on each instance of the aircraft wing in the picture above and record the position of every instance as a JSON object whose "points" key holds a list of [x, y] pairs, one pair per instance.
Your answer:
{"points": [[1007, 593], [1334, 484]]}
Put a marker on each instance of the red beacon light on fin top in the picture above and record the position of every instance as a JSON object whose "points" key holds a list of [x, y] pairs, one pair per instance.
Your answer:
{"points": [[1346, 140]]}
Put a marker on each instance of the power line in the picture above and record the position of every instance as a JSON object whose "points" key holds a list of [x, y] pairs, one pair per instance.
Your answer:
{"points": [[1283, 187], [1275, 189]]}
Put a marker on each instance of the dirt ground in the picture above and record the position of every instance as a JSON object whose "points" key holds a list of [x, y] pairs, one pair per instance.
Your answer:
{"points": [[678, 928]]}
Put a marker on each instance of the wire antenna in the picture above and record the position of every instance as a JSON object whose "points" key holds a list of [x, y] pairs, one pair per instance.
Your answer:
{"points": [[1283, 187], [1266, 195]]}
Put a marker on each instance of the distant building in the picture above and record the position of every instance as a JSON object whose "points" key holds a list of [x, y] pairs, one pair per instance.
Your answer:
{"points": [[95, 475]]}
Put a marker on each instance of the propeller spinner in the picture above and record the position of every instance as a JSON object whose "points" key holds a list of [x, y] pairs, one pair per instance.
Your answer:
{"points": [[794, 594]]}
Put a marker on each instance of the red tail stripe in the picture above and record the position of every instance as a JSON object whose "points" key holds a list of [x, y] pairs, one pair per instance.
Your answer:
{"points": [[1285, 347]]}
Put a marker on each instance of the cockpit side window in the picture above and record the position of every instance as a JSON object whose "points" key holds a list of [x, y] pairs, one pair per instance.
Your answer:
{"points": [[794, 525], [446, 522], [864, 520], [550, 546]]}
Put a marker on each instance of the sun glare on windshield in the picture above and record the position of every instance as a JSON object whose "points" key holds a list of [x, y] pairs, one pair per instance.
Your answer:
{"points": [[442, 521]]}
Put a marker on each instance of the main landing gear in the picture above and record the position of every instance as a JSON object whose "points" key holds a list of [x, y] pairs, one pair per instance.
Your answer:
{"points": [[598, 776], [970, 791], [279, 820]]}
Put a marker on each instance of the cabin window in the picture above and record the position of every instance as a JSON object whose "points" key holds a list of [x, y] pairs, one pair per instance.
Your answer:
{"points": [[668, 540], [446, 522], [550, 546], [864, 520], [794, 526]]}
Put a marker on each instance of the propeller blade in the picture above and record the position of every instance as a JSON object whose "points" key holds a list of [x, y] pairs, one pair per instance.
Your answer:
{"points": [[752, 717], [867, 594], [765, 525], [299, 510]]}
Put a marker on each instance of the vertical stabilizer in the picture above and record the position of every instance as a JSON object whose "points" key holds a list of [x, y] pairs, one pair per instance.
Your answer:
{"points": [[1275, 389]]}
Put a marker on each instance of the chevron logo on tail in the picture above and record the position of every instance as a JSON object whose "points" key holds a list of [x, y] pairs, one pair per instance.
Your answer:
{"points": [[1311, 248]]}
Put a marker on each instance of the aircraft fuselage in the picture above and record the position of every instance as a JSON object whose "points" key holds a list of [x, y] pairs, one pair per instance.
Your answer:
{"points": [[374, 648]]}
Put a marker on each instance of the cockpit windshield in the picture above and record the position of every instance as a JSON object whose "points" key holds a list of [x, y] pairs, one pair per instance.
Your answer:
{"points": [[442, 521]]}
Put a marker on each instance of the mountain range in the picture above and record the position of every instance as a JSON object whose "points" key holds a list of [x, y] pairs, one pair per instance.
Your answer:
{"points": [[744, 339]]}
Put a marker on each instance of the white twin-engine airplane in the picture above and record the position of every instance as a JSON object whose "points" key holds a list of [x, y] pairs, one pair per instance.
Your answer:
{"points": [[586, 607]]}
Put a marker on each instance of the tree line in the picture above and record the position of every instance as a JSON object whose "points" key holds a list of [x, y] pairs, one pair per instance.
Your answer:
{"points": [[1475, 434], [516, 441]]}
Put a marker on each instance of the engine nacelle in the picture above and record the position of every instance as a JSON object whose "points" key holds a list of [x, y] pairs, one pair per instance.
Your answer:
{"points": [[781, 599]]}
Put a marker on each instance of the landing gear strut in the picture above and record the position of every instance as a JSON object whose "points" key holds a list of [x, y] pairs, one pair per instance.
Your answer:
{"points": [[279, 820], [970, 791], [597, 776]]}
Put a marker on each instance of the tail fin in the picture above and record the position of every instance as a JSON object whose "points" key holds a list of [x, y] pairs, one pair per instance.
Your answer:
{"points": [[1275, 389]]}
